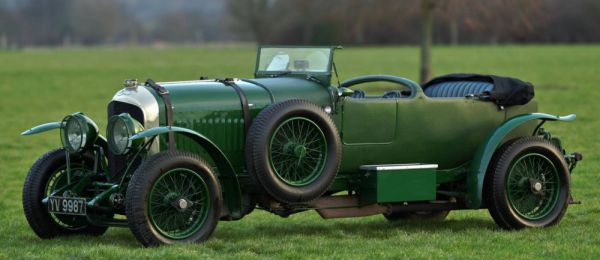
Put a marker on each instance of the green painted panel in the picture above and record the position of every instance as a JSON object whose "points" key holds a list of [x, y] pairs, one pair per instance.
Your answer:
{"points": [[293, 88], [369, 121], [399, 185], [214, 109], [526, 128], [444, 131]]}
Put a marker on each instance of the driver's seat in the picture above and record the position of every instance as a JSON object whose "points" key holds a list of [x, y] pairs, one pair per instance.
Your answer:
{"points": [[358, 93]]}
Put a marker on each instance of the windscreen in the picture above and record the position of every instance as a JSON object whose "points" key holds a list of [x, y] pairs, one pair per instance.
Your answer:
{"points": [[277, 59]]}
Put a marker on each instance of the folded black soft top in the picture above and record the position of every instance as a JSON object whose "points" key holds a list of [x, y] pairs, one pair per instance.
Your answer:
{"points": [[506, 91]]}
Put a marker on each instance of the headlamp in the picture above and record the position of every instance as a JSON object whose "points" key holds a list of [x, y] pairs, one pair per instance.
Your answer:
{"points": [[78, 132], [120, 129]]}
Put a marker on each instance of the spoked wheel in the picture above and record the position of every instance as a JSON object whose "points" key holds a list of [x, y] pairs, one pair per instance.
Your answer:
{"points": [[529, 185], [293, 151], [47, 176], [533, 186], [297, 151], [178, 203], [173, 197]]}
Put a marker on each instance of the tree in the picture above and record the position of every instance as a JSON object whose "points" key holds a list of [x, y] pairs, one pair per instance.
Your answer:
{"points": [[95, 22], [46, 21], [427, 8], [252, 17]]}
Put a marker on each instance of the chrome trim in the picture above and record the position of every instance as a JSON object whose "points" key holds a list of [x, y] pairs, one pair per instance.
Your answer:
{"points": [[388, 167], [142, 98]]}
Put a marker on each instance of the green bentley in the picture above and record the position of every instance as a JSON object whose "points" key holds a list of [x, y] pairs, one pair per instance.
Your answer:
{"points": [[179, 157]]}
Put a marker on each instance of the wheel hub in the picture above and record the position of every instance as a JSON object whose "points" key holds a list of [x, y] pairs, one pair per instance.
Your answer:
{"points": [[300, 151], [182, 203], [536, 186], [294, 149]]}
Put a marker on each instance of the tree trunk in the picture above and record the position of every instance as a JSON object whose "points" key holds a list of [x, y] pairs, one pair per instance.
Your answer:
{"points": [[359, 29], [427, 7], [453, 32], [3, 42]]}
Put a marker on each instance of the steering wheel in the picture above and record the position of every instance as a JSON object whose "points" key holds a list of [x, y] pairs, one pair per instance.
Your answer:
{"points": [[415, 89]]}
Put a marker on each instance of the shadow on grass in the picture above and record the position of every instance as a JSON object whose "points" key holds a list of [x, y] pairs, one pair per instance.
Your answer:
{"points": [[115, 237], [373, 228]]}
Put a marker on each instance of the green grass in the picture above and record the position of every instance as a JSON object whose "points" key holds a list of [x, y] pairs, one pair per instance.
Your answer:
{"points": [[38, 86]]}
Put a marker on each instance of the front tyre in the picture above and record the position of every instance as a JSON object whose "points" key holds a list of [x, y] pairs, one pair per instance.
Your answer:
{"points": [[46, 176], [173, 197], [528, 184]]}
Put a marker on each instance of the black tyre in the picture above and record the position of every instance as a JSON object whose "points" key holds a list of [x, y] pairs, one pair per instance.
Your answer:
{"points": [[47, 175], [173, 197], [419, 215], [527, 184], [294, 150]]}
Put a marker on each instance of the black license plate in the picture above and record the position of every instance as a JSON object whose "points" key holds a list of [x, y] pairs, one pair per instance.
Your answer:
{"points": [[69, 206]]}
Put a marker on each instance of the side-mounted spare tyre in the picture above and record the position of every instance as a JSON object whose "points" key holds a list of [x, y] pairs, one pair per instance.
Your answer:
{"points": [[293, 151]]}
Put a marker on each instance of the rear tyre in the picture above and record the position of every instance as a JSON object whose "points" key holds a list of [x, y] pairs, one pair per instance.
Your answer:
{"points": [[47, 175], [173, 197], [528, 184], [294, 151], [419, 215]]}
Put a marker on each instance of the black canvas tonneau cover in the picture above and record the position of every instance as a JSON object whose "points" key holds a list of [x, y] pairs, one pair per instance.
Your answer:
{"points": [[506, 91]]}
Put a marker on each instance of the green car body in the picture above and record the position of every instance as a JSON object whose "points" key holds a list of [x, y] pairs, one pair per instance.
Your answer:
{"points": [[211, 118]]}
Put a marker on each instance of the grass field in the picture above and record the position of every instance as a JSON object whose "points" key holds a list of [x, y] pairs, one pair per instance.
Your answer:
{"points": [[43, 85]]}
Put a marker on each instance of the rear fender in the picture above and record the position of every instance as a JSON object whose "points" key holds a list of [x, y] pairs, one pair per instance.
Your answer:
{"points": [[228, 178], [486, 150]]}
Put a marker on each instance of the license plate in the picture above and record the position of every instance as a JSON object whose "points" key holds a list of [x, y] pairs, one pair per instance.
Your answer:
{"points": [[69, 206]]}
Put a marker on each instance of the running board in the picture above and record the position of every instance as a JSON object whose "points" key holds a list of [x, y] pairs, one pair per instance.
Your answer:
{"points": [[345, 207], [351, 206], [426, 206]]}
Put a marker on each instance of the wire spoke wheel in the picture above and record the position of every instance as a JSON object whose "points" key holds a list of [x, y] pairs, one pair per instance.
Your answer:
{"points": [[48, 177], [297, 151], [528, 184], [533, 185], [178, 203], [293, 151], [57, 181]]}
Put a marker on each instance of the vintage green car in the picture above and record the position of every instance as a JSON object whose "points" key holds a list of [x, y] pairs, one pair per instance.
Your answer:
{"points": [[180, 156]]}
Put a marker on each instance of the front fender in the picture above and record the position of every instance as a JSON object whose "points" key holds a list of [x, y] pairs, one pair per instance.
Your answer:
{"points": [[101, 141], [42, 128], [486, 150], [231, 186]]}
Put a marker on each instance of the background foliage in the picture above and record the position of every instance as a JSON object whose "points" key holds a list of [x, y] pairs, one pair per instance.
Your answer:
{"points": [[91, 22]]}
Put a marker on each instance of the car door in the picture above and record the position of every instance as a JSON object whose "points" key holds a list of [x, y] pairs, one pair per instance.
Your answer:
{"points": [[369, 121], [444, 131]]}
